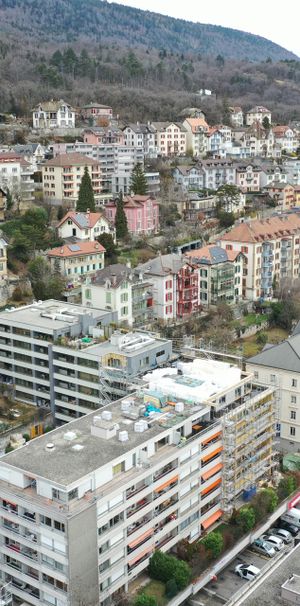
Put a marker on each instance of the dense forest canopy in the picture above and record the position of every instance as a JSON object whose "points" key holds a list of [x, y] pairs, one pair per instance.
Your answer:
{"points": [[147, 66]]}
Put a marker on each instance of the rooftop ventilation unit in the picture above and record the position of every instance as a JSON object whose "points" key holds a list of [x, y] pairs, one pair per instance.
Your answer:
{"points": [[50, 446], [123, 436], [140, 426], [77, 447], [69, 436], [106, 415], [179, 407]]}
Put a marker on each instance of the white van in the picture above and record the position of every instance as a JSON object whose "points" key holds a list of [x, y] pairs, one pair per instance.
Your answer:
{"points": [[292, 516]]}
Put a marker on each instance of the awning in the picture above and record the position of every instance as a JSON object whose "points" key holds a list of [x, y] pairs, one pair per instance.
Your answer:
{"points": [[141, 538], [213, 437], [212, 454], [211, 486], [140, 556], [166, 484], [206, 475], [213, 518]]}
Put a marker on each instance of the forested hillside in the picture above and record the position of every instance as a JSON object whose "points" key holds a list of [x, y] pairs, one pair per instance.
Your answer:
{"points": [[102, 21], [83, 51]]}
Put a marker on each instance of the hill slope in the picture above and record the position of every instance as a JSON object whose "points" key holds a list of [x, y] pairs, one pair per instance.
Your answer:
{"points": [[68, 20]]}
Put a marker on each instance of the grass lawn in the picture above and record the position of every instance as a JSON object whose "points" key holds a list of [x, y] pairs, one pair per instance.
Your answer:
{"points": [[156, 589], [251, 319], [251, 348]]}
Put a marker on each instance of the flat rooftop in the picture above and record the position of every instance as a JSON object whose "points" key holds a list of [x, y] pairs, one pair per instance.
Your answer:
{"points": [[268, 592], [129, 344], [64, 465], [49, 315], [197, 380]]}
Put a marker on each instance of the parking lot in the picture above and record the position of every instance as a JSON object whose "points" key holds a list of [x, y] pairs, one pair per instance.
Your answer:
{"points": [[228, 583]]}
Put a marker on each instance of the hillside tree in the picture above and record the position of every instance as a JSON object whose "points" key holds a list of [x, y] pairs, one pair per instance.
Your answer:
{"points": [[121, 219], [138, 181], [86, 199]]}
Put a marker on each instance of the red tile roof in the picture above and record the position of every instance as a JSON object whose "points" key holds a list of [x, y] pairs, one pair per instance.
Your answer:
{"points": [[90, 219], [72, 159], [76, 250], [264, 229]]}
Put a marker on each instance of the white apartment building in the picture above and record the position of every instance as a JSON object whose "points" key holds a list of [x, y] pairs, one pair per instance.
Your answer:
{"points": [[85, 226], [285, 138], [115, 161], [236, 116], [53, 114], [141, 136], [278, 365], [162, 272], [272, 251], [84, 507], [170, 138], [218, 173], [62, 177], [257, 114], [272, 173], [16, 174], [111, 289], [190, 177]]}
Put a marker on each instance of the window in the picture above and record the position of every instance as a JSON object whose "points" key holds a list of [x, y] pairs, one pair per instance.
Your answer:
{"points": [[293, 399], [294, 382], [108, 297], [272, 378], [292, 431], [256, 375], [244, 249], [73, 494], [293, 415], [88, 293], [59, 526], [118, 468]]}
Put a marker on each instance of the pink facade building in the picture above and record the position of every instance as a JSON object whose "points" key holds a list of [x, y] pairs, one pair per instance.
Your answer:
{"points": [[142, 213], [98, 135], [97, 110]]}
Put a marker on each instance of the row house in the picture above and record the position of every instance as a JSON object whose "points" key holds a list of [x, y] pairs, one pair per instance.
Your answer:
{"points": [[258, 114], [77, 261], [285, 138], [53, 114], [126, 292], [170, 138], [175, 283], [196, 135], [220, 274], [142, 214], [101, 135], [248, 177], [141, 136], [16, 175], [271, 248], [84, 226], [96, 112], [282, 193], [236, 116], [62, 177]]}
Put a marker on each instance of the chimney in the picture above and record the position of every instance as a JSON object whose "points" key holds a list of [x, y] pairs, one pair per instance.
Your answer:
{"points": [[128, 264], [97, 246], [113, 279], [61, 251], [88, 211]]}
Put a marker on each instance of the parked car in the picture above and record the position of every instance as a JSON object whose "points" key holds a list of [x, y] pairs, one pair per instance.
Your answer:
{"points": [[263, 547], [292, 516], [275, 542], [247, 571], [283, 534], [292, 528]]}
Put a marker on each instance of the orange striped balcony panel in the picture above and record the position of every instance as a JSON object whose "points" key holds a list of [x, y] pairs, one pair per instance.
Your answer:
{"points": [[166, 484], [213, 518], [206, 475], [212, 454], [211, 486]]}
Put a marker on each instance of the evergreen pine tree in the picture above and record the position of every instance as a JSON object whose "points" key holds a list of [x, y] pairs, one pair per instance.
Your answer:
{"points": [[121, 219], [138, 181], [86, 198]]}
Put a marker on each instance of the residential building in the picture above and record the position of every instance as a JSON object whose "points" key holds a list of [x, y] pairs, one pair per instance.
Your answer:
{"points": [[33, 153], [170, 138], [111, 288], [62, 177], [28, 338], [142, 213], [96, 111], [214, 141], [123, 483], [196, 135], [220, 274], [16, 175], [286, 138], [102, 135], [53, 114], [190, 177], [85, 226], [283, 194], [153, 183], [218, 172], [77, 261], [236, 116], [278, 365], [271, 250], [2, 204], [141, 136], [272, 172], [257, 114], [248, 177], [196, 208], [175, 286], [292, 167], [116, 162]]}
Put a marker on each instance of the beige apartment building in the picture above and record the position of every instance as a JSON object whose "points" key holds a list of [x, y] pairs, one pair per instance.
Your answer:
{"points": [[62, 177], [77, 261], [170, 138], [271, 248]]}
